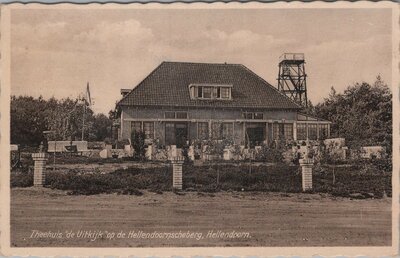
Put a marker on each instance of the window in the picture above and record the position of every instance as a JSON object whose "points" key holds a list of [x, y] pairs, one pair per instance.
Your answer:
{"points": [[210, 91], [207, 92], [301, 132], [312, 131], [199, 92], [216, 131], [288, 131], [247, 115], [258, 116], [181, 115], [222, 130], [169, 114], [252, 115], [136, 126], [202, 130], [217, 92], [225, 93], [148, 128], [323, 131], [177, 115], [277, 131], [227, 130]]}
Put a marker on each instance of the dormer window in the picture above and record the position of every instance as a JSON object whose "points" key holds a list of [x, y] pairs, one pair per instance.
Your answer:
{"points": [[210, 91], [207, 93]]}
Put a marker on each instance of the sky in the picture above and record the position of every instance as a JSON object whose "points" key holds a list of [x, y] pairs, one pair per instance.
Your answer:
{"points": [[56, 52]]}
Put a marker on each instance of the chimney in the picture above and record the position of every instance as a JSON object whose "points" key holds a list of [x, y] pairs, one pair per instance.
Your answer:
{"points": [[125, 91]]}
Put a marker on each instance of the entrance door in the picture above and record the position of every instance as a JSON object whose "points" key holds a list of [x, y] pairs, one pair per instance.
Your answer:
{"points": [[181, 132], [255, 134], [176, 134], [170, 134]]}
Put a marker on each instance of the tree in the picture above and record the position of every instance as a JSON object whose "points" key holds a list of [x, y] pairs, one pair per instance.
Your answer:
{"points": [[27, 120], [102, 127], [31, 116], [138, 144], [362, 114], [310, 109]]}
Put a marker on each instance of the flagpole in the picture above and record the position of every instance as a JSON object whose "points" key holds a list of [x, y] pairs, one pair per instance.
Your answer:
{"points": [[87, 99], [83, 120]]}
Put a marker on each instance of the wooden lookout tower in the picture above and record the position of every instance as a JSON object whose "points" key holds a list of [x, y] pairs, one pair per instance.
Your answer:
{"points": [[292, 77]]}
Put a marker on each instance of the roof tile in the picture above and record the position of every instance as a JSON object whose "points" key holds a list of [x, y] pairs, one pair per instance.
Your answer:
{"points": [[168, 85]]}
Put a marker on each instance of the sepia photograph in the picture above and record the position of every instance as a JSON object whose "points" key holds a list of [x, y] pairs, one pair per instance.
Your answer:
{"points": [[201, 126]]}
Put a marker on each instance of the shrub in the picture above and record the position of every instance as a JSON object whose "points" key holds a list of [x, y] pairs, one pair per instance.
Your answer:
{"points": [[138, 144], [351, 180], [367, 181], [21, 178], [269, 154], [251, 178], [383, 164]]}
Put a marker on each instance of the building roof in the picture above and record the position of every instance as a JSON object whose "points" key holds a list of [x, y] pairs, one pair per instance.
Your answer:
{"points": [[168, 85]]}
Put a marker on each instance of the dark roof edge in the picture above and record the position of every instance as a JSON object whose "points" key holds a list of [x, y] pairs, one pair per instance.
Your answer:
{"points": [[269, 85], [312, 116], [204, 63], [208, 107]]}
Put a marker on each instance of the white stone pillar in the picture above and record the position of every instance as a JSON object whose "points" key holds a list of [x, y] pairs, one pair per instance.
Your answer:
{"points": [[177, 164], [39, 174], [149, 152], [306, 173], [227, 154], [191, 152]]}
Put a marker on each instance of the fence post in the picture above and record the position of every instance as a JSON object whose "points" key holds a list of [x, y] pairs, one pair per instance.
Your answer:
{"points": [[306, 173], [39, 173], [177, 164]]}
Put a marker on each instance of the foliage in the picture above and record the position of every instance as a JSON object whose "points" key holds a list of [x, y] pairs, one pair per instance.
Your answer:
{"points": [[185, 153], [216, 147], [362, 114], [138, 144], [63, 116], [243, 177], [368, 180], [124, 181], [28, 111], [102, 127], [269, 154], [21, 178], [327, 154]]}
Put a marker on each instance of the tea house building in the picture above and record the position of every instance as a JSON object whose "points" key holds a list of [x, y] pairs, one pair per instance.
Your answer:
{"points": [[181, 102]]}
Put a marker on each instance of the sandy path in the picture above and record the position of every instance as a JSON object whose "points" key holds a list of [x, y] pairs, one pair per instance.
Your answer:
{"points": [[272, 219]]}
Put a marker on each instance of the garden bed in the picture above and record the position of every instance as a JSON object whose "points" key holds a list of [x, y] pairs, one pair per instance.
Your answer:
{"points": [[345, 181]]}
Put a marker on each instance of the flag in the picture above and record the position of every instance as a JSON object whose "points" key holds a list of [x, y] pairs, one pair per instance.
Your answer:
{"points": [[88, 98]]}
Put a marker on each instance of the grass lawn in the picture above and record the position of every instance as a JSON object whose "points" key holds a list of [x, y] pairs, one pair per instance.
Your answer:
{"points": [[271, 219]]}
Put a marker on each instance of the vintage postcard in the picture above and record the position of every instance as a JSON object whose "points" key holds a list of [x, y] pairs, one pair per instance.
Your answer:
{"points": [[247, 129]]}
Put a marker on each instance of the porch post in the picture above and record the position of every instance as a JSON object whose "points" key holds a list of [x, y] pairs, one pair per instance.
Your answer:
{"points": [[244, 134], [295, 131], [209, 129], [329, 131], [266, 133]]}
